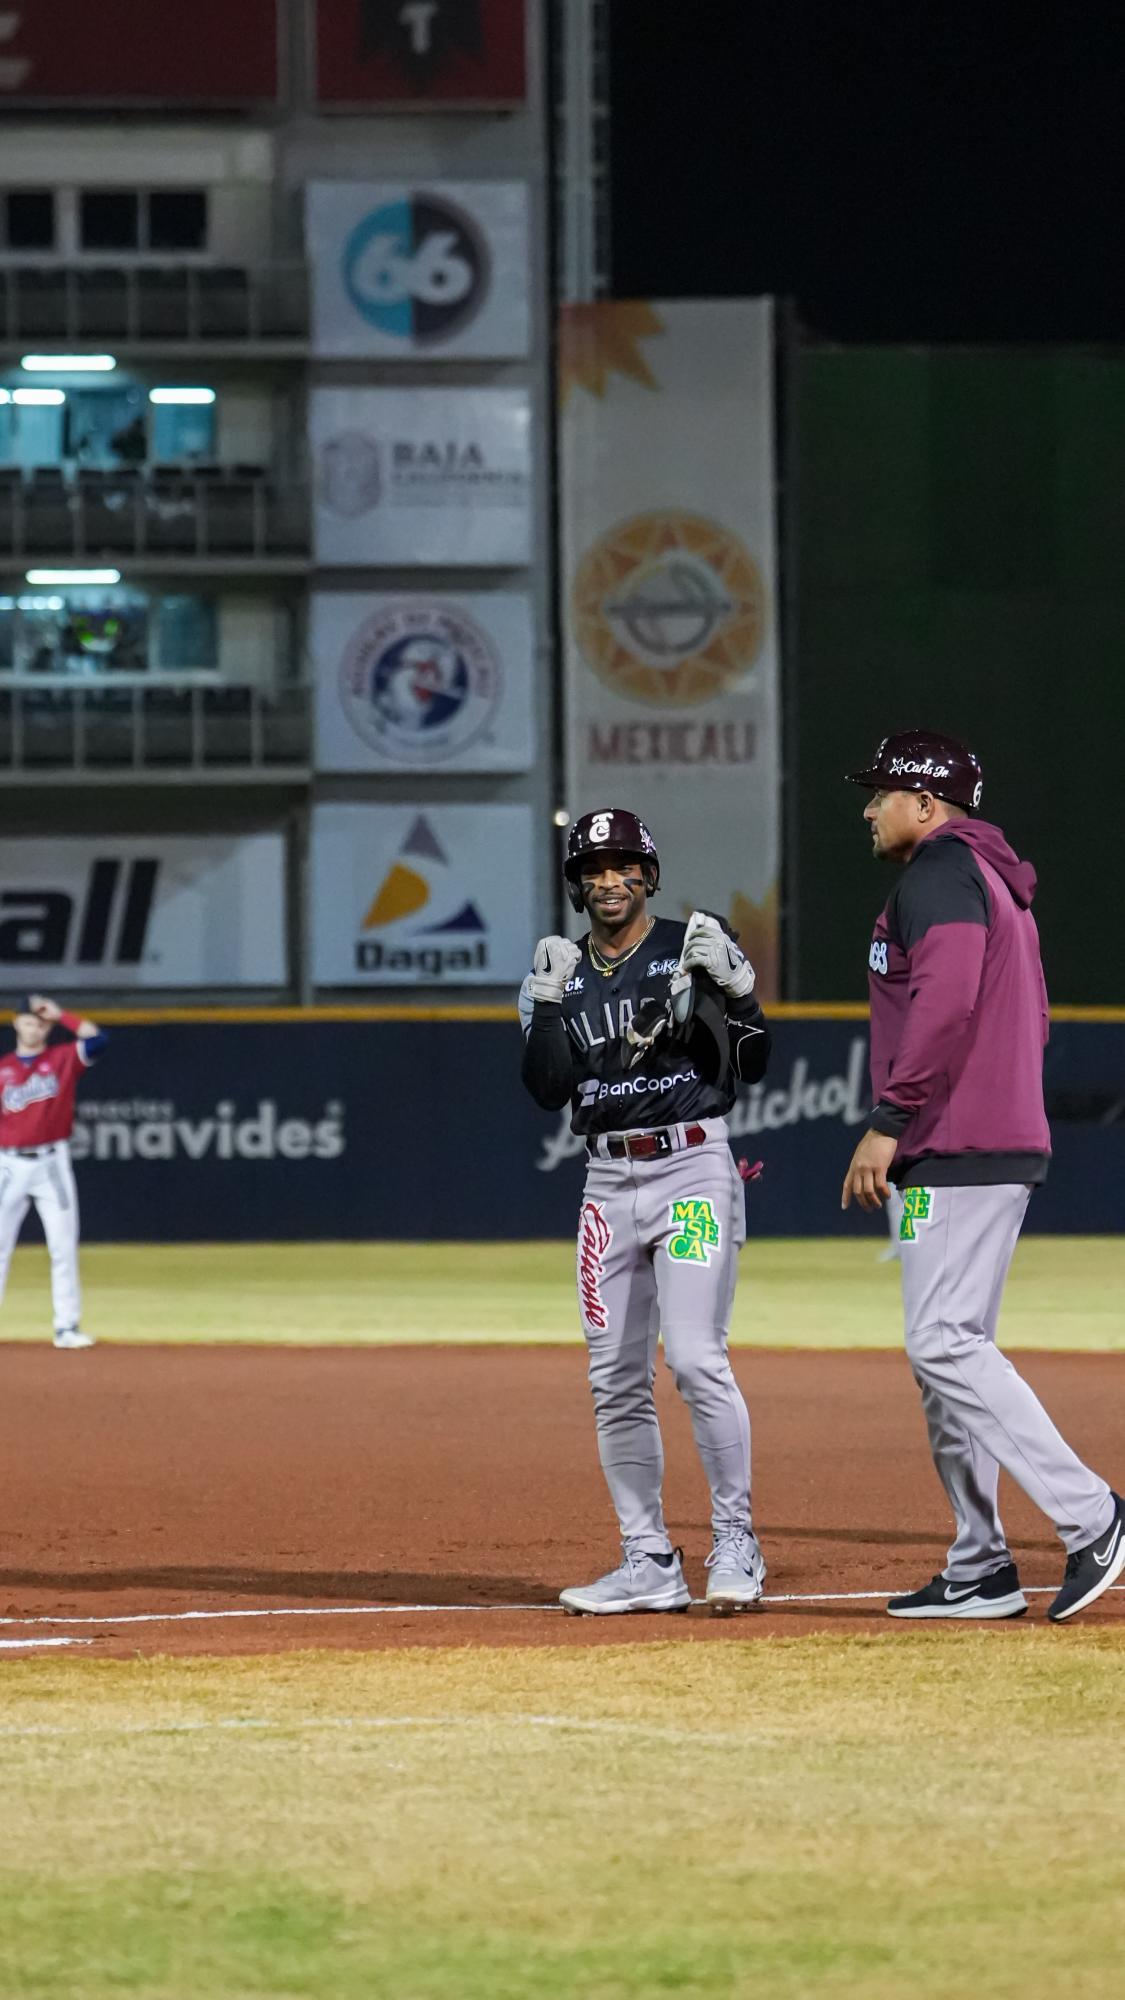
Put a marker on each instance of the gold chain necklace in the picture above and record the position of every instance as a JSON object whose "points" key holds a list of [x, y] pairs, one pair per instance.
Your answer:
{"points": [[608, 966]]}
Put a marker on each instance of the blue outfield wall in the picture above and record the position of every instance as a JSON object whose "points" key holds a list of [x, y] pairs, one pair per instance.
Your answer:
{"points": [[420, 1129]]}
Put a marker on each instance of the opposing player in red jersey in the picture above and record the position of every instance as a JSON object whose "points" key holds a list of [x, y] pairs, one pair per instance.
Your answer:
{"points": [[38, 1081]]}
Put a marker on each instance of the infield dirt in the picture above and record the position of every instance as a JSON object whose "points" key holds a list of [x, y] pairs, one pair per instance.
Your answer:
{"points": [[157, 1482]]}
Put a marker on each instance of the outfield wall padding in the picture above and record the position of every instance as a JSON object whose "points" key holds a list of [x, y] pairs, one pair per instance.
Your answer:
{"points": [[421, 1130]]}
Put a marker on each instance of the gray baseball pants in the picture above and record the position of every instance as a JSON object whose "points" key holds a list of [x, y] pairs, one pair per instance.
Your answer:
{"points": [[981, 1415], [658, 1244]]}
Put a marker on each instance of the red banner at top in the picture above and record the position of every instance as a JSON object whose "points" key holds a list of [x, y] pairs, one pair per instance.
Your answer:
{"points": [[142, 52], [432, 54]]}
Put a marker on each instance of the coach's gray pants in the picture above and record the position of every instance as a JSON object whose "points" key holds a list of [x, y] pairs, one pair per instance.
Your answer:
{"points": [[980, 1414], [658, 1244]]}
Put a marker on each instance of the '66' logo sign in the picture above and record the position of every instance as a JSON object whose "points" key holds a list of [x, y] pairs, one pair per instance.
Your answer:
{"points": [[417, 268]]}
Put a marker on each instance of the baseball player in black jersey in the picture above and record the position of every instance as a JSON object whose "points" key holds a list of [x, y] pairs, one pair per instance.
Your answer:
{"points": [[645, 1026]]}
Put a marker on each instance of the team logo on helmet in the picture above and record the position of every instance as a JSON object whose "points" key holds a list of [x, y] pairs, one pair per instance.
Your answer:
{"points": [[918, 767], [419, 681], [918, 760], [669, 608]]}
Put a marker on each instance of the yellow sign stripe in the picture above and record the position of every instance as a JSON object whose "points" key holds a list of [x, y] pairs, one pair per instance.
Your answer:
{"points": [[780, 1010]]}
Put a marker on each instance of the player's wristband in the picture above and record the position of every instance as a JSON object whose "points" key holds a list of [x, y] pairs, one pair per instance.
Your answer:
{"points": [[71, 1022]]}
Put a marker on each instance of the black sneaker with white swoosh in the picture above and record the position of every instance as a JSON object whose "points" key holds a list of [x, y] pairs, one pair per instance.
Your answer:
{"points": [[1091, 1570], [995, 1596]]}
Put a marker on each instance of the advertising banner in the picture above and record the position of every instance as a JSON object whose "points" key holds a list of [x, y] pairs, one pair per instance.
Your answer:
{"points": [[670, 595], [418, 270], [441, 55], [108, 52], [421, 476], [427, 683], [130, 911], [422, 1130], [406, 896]]}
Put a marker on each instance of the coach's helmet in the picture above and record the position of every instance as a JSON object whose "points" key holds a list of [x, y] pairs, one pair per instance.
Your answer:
{"points": [[917, 760], [612, 831]]}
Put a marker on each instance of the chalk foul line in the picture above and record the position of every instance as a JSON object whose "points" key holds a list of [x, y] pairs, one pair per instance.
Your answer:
{"points": [[287, 1726], [428, 1610]]}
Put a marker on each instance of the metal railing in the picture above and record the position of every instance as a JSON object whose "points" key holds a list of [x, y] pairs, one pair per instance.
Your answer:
{"points": [[225, 512], [160, 731], [154, 302]]}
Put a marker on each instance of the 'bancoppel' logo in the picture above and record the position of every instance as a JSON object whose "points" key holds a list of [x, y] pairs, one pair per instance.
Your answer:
{"points": [[422, 882], [348, 480], [593, 1092], [877, 956], [106, 923], [669, 608], [418, 269], [420, 682]]}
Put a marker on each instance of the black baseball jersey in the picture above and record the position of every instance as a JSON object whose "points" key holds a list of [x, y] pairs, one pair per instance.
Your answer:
{"points": [[578, 1051]]}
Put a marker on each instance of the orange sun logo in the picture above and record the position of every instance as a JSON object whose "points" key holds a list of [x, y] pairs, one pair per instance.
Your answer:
{"points": [[603, 339]]}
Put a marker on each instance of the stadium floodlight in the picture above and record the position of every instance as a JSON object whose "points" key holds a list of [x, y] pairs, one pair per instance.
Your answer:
{"points": [[44, 578], [68, 364], [48, 398], [181, 395]]}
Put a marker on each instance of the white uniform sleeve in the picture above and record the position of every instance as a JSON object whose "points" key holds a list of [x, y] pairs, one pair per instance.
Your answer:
{"points": [[526, 1005]]}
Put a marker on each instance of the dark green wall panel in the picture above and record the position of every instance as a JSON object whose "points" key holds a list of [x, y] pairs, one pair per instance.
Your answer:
{"points": [[960, 563]]}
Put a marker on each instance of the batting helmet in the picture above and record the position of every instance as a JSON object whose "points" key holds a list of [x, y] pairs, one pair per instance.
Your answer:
{"points": [[917, 760], [612, 831]]}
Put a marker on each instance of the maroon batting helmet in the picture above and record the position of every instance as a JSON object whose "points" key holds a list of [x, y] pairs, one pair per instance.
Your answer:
{"points": [[918, 760], [612, 831]]}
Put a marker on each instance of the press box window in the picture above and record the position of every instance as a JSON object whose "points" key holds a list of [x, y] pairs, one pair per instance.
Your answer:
{"points": [[27, 219], [177, 219], [111, 220], [143, 219], [187, 630]]}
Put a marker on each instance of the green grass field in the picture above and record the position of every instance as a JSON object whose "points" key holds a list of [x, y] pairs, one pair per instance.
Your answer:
{"points": [[922, 1815], [1064, 1292]]}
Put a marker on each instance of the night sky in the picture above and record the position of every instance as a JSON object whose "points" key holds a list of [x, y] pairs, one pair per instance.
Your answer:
{"points": [[904, 172]]}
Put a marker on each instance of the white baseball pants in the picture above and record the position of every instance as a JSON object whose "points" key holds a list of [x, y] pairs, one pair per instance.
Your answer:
{"points": [[47, 1180]]}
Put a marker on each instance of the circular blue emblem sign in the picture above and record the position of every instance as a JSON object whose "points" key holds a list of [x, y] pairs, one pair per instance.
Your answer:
{"points": [[420, 682]]}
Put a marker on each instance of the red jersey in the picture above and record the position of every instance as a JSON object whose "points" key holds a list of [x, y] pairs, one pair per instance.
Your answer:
{"points": [[37, 1094]]}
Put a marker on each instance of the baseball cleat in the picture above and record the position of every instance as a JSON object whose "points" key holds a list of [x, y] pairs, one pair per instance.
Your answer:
{"points": [[73, 1336], [738, 1571], [640, 1584], [1091, 1570], [995, 1596]]}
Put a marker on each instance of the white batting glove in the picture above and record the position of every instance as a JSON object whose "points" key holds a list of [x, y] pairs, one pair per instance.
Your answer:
{"points": [[707, 948], [555, 961]]}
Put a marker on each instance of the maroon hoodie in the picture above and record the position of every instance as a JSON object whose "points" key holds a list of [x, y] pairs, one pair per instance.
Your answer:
{"points": [[959, 1014]]}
